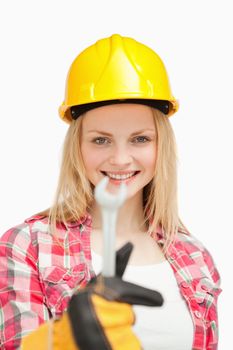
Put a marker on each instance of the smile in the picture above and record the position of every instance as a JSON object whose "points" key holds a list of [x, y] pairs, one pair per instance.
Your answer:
{"points": [[120, 176]]}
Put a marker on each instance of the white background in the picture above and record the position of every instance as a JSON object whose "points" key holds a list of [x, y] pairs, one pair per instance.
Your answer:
{"points": [[40, 39]]}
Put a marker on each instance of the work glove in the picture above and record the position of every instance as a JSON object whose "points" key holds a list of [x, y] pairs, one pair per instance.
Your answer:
{"points": [[99, 316]]}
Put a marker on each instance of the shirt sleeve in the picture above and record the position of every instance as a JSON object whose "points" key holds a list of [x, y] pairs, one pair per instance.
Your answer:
{"points": [[21, 293], [207, 262], [213, 270]]}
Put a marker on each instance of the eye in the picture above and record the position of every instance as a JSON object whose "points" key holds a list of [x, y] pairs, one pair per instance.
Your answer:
{"points": [[100, 140], [141, 139]]}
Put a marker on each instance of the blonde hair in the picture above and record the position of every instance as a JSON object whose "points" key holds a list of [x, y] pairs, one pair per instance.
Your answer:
{"points": [[160, 195], [74, 195]]}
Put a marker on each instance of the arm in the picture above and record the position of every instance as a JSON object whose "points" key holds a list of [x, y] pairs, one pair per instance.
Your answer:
{"points": [[208, 267], [21, 295], [212, 269]]}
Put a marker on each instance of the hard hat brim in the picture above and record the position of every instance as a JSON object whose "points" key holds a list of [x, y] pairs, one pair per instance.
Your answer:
{"points": [[75, 111]]}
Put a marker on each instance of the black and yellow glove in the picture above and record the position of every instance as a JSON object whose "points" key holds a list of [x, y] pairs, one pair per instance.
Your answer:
{"points": [[100, 316]]}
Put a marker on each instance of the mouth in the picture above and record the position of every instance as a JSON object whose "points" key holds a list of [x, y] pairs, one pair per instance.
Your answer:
{"points": [[121, 175]]}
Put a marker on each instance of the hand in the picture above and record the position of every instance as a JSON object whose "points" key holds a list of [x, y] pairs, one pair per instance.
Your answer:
{"points": [[101, 314]]}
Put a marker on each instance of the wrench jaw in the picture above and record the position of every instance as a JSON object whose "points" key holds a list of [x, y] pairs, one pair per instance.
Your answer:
{"points": [[108, 200], [109, 205]]}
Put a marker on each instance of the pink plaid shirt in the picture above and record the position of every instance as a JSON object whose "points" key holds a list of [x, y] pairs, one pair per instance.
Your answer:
{"points": [[39, 273]]}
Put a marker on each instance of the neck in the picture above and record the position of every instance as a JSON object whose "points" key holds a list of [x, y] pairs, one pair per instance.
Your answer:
{"points": [[130, 218]]}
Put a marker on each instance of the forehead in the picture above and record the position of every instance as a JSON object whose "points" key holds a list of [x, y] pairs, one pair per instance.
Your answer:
{"points": [[127, 115]]}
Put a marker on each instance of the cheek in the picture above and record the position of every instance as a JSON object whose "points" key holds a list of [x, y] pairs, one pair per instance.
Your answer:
{"points": [[91, 158], [148, 158]]}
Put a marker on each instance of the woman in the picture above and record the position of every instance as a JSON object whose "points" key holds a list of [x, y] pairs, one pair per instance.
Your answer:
{"points": [[117, 102]]}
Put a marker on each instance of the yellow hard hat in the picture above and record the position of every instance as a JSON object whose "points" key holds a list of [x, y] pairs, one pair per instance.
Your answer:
{"points": [[116, 70]]}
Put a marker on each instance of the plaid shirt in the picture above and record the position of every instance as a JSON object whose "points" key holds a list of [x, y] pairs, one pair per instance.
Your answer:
{"points": [[39, 273]]}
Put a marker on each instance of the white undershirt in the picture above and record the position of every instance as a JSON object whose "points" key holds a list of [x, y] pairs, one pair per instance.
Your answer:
{"points": [[169, 327]]}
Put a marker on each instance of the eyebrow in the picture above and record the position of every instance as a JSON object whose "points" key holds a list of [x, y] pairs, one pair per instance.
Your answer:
{"points": [[108, 134]]}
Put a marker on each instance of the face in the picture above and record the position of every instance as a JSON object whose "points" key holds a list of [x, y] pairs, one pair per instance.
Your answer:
{"points": [[119, 141]]}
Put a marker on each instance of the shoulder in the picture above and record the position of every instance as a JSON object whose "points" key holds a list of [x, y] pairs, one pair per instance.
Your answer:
{"points": [[32, 229], [22, 240], [34, 236], [192, 244], [24, 232]]}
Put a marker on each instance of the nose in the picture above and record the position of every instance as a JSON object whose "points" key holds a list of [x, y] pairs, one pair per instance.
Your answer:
{"points": [[120, 156]]}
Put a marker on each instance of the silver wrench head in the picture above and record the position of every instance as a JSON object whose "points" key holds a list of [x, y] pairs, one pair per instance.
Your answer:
{"points": [[107, 200]]}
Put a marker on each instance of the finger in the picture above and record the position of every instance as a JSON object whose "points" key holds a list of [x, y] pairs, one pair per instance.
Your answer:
{"points": [[86, 329], [122, 258], [114, 288]]}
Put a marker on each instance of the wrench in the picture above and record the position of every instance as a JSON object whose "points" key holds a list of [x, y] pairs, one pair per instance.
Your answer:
{"points": [[109, 205]]}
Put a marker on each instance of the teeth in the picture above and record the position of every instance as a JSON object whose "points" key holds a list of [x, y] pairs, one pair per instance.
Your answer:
{"points": [[120, 177]]}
